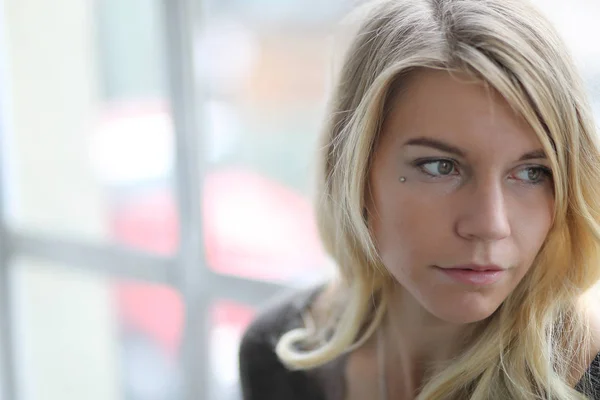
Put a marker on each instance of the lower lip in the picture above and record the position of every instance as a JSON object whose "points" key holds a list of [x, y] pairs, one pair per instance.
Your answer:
{"points": [[471, 277]]}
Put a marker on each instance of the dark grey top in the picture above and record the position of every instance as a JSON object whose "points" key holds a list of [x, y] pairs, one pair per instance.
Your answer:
{"points": [[264, 377]]}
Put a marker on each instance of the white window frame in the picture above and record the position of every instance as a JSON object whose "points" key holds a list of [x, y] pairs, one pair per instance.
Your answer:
{"points": [[187, 271]]}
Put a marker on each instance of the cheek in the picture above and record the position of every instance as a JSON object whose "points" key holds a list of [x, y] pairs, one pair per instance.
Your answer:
{"points": [[405, 227], [530, 229], [531, 214]]}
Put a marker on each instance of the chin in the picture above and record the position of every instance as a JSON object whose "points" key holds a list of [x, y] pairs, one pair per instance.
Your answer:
{"points": [[465, 311], [463, 318]]}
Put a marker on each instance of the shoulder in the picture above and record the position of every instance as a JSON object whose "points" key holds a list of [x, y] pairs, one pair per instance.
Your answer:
{"points": [[262, 375], [279, 315], [591, 378], [591, 309], [589, 384], [594, 320]]}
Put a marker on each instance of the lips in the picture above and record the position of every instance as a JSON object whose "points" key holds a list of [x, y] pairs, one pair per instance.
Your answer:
{"points": [[479, 275], [478, 268]]}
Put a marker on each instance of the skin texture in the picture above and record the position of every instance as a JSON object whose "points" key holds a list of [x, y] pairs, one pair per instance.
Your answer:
{"points": [[486, 205]]}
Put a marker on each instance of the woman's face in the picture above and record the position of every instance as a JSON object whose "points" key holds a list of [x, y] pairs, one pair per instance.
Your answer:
{"points": [[477, 195]]}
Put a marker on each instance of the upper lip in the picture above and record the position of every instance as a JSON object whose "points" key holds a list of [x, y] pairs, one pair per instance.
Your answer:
{"points": [[478, 267]]}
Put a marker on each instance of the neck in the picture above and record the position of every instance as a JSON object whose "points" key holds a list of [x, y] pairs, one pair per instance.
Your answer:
{"points": [[416, 342]]}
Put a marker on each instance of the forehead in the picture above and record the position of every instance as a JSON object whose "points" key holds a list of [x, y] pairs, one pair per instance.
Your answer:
{"points": [[458, 108]]}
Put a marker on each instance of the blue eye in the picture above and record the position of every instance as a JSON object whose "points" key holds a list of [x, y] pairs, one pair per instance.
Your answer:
{"points": [[438, 168], [533, 175]]}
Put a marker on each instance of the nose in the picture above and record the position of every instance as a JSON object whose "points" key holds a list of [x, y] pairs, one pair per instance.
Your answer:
{"points": [[484, 213]]}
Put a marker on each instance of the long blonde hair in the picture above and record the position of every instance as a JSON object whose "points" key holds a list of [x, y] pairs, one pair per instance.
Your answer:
{"points": [[531, 347]]}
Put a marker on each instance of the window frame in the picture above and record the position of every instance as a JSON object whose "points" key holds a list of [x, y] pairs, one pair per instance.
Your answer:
{"points": [[186, 271]]}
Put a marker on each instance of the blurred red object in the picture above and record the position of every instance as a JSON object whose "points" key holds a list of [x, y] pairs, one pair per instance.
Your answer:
{"points": [[253, 227]]}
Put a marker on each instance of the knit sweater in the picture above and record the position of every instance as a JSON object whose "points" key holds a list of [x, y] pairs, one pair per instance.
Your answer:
{"points": [[264, 377]]}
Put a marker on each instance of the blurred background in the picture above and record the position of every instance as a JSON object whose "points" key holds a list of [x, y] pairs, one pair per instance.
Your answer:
{"points": [[156, 183]]}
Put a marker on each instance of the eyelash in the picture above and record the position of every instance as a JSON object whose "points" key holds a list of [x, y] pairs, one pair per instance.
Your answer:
{"points": [[547, 174], [420, 163]]}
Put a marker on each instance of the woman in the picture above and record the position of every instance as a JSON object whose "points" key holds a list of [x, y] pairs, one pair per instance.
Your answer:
{"points": [[460, 185]]}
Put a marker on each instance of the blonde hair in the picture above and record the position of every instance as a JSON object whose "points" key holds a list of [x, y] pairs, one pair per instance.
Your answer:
{"points": [[531, 347]]}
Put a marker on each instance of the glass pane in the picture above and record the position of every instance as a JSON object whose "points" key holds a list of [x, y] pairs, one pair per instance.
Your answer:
{"points": [[266, 95], [229, 320], [83, 336], [90, 130]]}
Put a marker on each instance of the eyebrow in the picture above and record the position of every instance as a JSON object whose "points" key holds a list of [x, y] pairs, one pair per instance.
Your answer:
{"points": [[448, 148], [435, 144], [532, 155]]}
